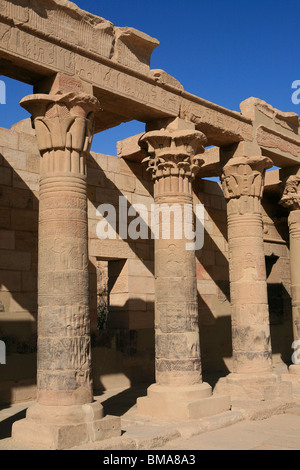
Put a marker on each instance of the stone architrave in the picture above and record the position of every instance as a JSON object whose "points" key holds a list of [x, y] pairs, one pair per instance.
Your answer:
{"points": [[291, 200], [65, 414], [179, 392], [252, 376]]}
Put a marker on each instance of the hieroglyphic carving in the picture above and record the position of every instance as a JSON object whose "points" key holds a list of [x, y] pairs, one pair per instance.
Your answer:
{"points": [[64, 129], [243, 185], [178, 346], [174, 159], [272, 139], [65, 23], [125, 85], [33, 48], [19, 12], [208, 118]]}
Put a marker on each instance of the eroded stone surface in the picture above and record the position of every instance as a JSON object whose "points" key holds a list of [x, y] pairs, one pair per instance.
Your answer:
{"points": [[291, 200]]}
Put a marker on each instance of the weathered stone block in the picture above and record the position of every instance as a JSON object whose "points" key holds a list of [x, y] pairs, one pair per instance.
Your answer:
{"points": [[7, 239], [5, 176], [15, 261], [14, 159]]}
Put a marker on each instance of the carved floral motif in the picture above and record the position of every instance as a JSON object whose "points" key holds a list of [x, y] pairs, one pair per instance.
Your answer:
{"points": [[173, 153], [63, 123], [291, 193], [244, 177]]}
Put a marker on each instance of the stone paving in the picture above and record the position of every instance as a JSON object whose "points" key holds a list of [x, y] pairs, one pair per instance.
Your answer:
{"points": [[250, 425]]}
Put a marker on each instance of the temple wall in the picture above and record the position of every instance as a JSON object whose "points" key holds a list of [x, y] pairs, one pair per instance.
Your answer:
{"points": [[121, 274]]}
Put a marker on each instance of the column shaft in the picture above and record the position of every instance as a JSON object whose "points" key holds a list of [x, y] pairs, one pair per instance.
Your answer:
{"points": [[291, 200], [243, 181], [66, 414], [248, 290], [179, 392], [64, 133], [176, 306], [294, 226], [64, 353]]}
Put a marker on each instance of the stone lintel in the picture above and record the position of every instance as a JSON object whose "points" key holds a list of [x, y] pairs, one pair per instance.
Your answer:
{"points": [[289, 171], [125, 92], [129, 148], [169, 124], [160, 76], [273, 182], [211, 165], [133, 47], [239, 150], [251, 106], [61, 21], [275, 132], [62, 83]]}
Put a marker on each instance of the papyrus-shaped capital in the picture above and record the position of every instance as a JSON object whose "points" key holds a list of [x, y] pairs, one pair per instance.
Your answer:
{"points": [[291, 193], [244, 177], [64, 127]]}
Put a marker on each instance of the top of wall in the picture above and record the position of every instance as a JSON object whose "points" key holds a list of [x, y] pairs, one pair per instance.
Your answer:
{"points": [[65, 23], [42, 38]]}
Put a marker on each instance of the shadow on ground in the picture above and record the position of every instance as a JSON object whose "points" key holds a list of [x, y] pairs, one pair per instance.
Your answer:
{"points": [[6, 424], [119, 404]]}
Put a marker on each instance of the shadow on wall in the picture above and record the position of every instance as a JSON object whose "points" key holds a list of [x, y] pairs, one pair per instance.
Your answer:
{"points": [[280, 309], [215, 338], [122, 350], [18, 284], [213, 286], [118, 352]]}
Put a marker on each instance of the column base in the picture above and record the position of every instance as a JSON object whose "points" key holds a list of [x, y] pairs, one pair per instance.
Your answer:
{"points": [[293, 375], [63, 427], [263, 387], [182, 403]]}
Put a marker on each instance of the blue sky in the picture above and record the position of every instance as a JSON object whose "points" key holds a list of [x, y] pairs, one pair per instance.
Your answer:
{"points": [[222, 50]]}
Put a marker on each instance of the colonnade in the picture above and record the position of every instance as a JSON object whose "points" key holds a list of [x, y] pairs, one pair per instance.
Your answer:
{"points": [[65, 413]]}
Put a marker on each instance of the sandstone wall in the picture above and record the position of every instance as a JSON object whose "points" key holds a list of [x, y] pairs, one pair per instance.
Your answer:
{"points": [[121, 274]]}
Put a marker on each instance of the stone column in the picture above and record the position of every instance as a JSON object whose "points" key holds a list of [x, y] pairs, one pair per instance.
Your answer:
{"points": [[179, 392], [243, 184], [65, 414], [291, 200]]}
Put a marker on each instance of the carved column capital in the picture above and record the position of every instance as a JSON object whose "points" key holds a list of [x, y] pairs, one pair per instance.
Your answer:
{"points": [[291, 193], [173, 159], [244, 177], [64, 125]]}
